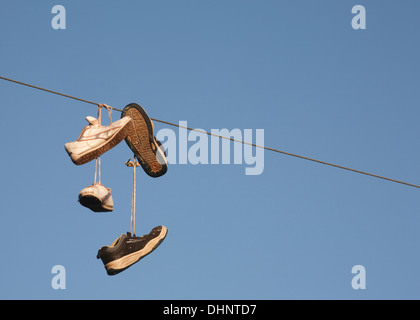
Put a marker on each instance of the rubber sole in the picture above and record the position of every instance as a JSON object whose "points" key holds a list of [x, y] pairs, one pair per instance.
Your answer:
{"points": [[95, 153], [121, 264], [142, 142], [94, 204]]}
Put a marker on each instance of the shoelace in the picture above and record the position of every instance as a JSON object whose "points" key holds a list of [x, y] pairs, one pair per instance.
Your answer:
{"points": [[108, 108], [136, 239], [97, 171], [133, 163], [98, 160]]}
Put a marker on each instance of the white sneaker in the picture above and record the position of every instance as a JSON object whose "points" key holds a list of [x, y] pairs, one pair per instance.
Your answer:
{"points": [[97, 198], [96, 140]]}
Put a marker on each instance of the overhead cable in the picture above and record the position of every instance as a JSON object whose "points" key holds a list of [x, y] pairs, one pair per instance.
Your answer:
{"points": [[223, 137]]}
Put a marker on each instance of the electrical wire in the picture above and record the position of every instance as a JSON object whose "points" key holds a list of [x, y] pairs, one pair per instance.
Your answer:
{"points": [[226, 138]]}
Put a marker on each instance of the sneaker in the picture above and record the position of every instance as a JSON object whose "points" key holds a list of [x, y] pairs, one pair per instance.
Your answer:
{"points": [[128, 250], [147, 149], [96, 140], [97, 198]]}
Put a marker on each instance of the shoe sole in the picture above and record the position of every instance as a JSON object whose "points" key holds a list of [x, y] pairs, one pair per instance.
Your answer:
{"points": [[119, 265], [140, 130], [94, 204], [95, 153]]}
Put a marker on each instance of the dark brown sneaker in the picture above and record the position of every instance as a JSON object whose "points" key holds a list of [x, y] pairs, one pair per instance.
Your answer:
{"points": [[128, 250], [141, 140]]}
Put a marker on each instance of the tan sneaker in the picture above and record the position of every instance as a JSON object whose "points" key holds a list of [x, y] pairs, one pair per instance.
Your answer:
{"points": [[141, 140], [96, 140]]}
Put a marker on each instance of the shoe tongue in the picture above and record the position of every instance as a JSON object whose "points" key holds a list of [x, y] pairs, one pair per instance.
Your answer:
{"points": [[93, 121], [117, 240]]}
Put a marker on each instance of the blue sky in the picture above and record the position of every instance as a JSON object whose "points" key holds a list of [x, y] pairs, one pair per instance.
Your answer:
{"points": [[296, 69]]}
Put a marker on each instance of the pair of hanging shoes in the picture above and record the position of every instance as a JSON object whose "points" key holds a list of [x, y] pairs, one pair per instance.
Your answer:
{"points": [[135, 127]]}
